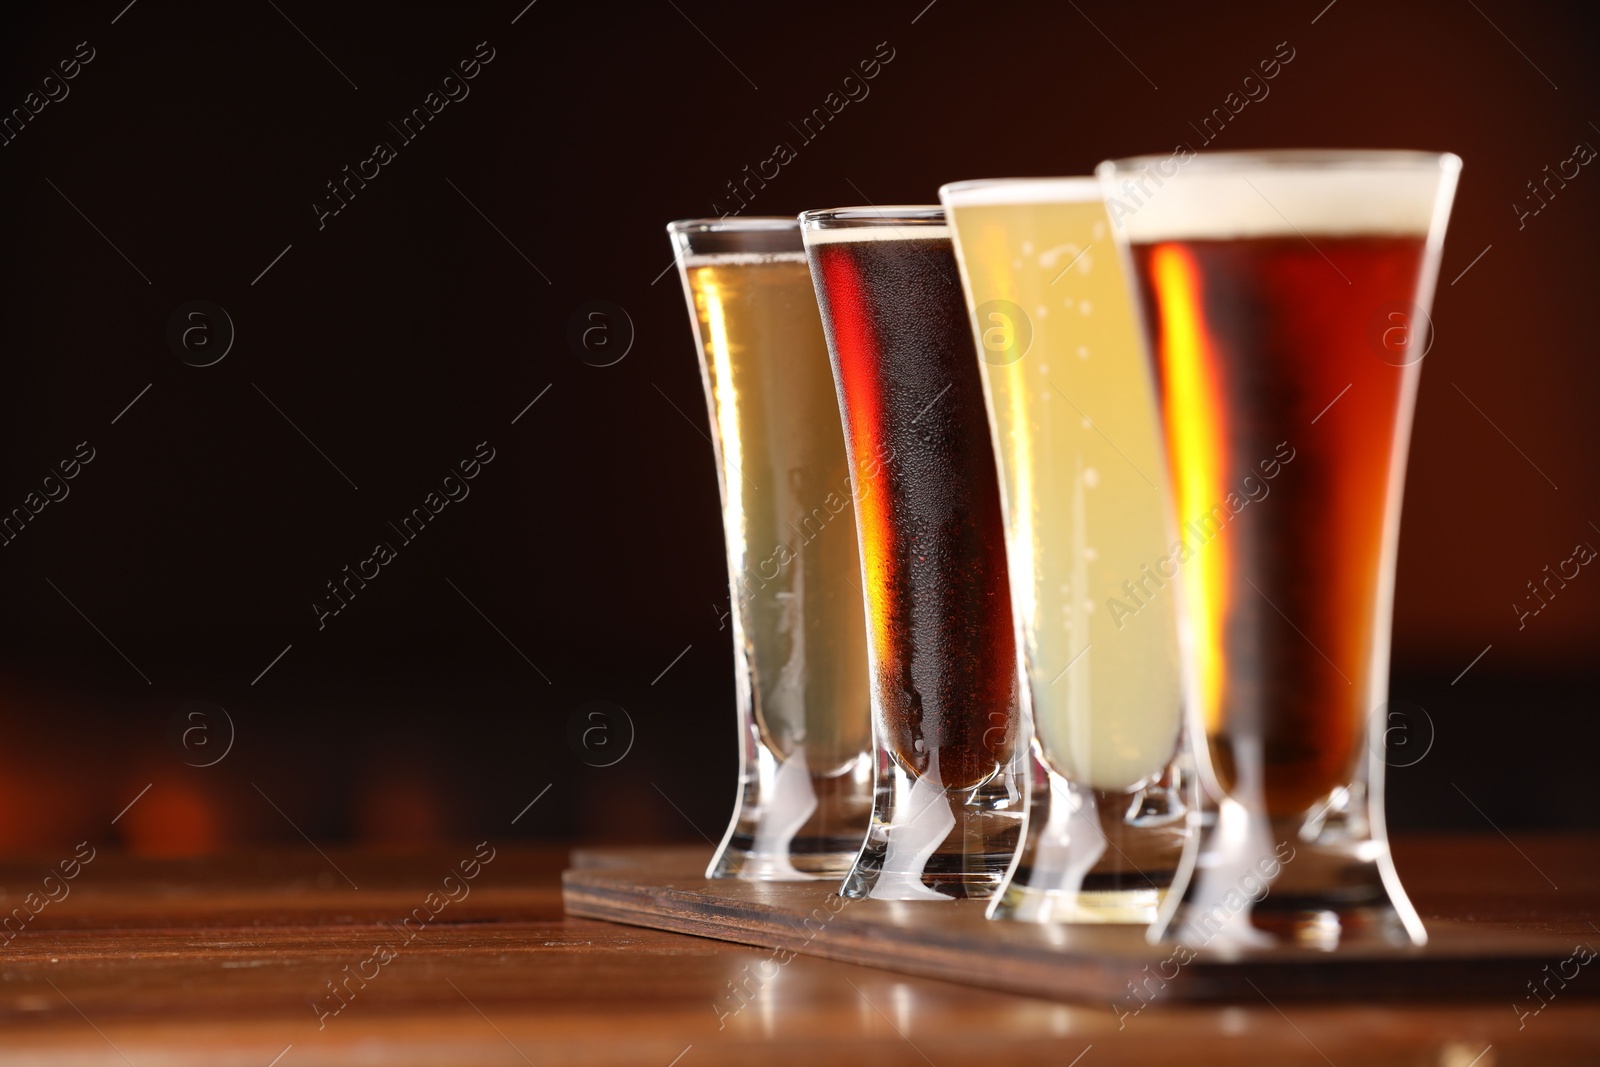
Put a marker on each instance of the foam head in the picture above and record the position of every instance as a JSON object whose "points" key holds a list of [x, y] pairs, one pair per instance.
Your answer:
{"points": [[920, 222], [742, 259], [1223, 195], [987, 192]]}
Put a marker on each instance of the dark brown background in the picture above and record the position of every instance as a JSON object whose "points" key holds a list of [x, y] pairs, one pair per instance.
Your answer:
{"points": [[408, 330]]}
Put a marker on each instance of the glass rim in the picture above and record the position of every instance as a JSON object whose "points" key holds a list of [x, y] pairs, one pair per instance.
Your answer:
{"points": [[1076, 188], [886, 215], [1297, 159], [743, 223]]}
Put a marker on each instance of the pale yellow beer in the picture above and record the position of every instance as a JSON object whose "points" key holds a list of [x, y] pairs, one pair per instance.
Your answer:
{"points": [[799, 623], [1077, 443]]}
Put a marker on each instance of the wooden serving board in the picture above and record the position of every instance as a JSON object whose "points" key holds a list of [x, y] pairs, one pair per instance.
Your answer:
{"points": [[665, 889]]}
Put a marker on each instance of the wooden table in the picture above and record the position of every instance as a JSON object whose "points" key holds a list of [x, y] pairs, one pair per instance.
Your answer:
{"points": [[221, 961]]}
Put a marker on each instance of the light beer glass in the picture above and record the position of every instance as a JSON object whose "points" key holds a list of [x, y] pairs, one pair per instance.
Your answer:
{"points": [[1083, 481], [804, 717], [1284, 299], [949, 783]]}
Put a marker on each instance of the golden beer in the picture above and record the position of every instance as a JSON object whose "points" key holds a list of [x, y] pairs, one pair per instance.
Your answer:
{"points": [[798, 622], [1081, 471], [1091, 568]]}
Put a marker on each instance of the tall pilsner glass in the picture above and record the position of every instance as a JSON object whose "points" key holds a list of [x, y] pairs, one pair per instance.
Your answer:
{"points": [[1284, 299], [805, 735], [1083, 481], [950, 787]]}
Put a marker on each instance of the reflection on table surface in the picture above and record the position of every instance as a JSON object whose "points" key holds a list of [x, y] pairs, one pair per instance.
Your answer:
{"points": [[232, 960]]}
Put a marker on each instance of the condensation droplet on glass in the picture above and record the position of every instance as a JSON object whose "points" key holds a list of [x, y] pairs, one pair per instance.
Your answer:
{"points": [[1099, 230], [1088, 607], [1085, 307], [1091, 477], [1090, 554], [1041, 311], [1027, 248], [1016, 264], [1083, 351], [1086, 424]]}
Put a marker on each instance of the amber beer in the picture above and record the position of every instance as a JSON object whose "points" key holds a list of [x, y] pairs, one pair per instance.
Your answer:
{"points": [[1269, 286], [1258, 336], [944, 674]]}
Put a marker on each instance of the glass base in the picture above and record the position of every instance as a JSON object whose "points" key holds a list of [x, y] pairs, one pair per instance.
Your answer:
{"points": [[1026, 903], [807, 858], [930, 843], [1090, 856], [1320, 880], [792, 825]]}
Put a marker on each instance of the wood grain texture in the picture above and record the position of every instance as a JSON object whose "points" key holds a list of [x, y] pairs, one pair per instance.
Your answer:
{"points": [[952, 940], [218, 962]]}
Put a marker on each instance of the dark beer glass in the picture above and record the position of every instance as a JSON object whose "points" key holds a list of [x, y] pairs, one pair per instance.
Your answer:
{"points": [[1284, 299], [949, 781]]}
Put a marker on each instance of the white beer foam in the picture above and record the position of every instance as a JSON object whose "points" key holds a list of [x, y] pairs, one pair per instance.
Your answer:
{"points": [[1203, 201], [741, 259], [1020, 191], [877, 231]]}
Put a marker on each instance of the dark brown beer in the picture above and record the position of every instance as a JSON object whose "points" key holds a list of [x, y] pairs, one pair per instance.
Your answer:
{"points": [[1271, 364], [927, 498]]}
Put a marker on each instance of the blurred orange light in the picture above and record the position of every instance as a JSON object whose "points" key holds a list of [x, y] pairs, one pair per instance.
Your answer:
{"points": [[175, 818], [1192, 411]]}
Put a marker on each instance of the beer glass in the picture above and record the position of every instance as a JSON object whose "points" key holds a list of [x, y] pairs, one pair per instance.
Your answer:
{"points": [[805, 735], [1083, 482], [949, 783], [1284, 299]]}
